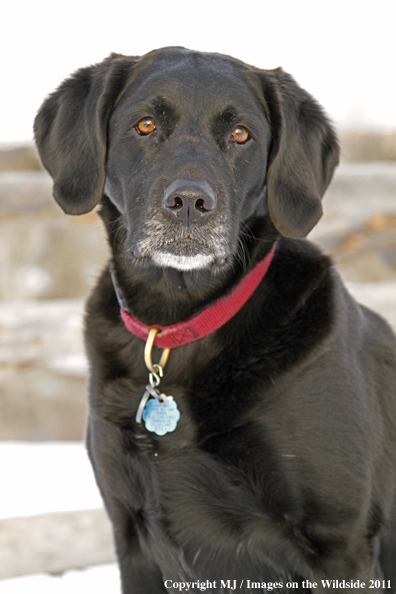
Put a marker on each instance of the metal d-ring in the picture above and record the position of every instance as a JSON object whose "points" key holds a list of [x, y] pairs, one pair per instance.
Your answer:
{"points": [[148, 349]]}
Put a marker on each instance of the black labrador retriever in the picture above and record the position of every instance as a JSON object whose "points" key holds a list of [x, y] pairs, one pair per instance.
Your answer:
{"points": [[262, 455]]}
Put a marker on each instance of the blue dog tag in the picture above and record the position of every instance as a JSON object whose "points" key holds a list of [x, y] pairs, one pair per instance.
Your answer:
{"points": [[161, 415]]}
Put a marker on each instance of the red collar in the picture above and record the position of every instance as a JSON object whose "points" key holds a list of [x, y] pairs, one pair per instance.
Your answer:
{"points": [[209, 320]]}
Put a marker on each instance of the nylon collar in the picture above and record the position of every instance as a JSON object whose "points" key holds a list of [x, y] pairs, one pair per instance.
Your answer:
{"points": [[204, 323]]}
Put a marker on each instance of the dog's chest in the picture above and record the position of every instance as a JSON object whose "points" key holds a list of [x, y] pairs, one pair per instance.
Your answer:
{"points": [[227, 484], [222, 438]]}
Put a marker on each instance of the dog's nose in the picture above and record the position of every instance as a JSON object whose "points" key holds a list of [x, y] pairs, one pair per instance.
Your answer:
{"points": [[189, 201]]}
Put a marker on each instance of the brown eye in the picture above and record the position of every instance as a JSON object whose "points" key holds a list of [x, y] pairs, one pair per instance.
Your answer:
{"points": [[145, 126], [240, 135]]}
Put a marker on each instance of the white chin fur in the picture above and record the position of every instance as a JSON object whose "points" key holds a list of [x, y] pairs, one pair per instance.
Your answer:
{"points": [[167, 260]]}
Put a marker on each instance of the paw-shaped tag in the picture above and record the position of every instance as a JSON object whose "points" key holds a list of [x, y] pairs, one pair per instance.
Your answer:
{"points": [[161, 415]]}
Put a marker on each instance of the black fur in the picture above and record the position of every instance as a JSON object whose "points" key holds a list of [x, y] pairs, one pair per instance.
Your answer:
{"points": [[283, 465]]}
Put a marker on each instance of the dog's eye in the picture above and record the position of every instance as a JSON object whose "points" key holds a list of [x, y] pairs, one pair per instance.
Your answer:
{"points": [[240, 135], [145, 126]]}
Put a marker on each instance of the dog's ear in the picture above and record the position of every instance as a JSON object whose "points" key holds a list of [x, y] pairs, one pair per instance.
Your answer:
{"points": [[304, 153], [71, 128]]}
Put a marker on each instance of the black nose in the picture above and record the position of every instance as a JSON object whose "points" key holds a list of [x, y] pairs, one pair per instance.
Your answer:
{"points": [[189, 201]]}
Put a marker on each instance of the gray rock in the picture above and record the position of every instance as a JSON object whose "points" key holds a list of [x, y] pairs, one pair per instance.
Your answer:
{"points": [[380, 297], [359, 224], [45, 254], [358, 192], [22, 191], [42, 371], [54, 543]]}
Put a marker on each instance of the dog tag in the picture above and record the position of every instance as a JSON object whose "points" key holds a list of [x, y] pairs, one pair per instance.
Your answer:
{"points": [[161, 415]]}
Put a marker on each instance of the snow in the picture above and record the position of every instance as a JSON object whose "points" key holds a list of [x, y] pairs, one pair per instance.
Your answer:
{"points": [[103, 579], [46, 477]]}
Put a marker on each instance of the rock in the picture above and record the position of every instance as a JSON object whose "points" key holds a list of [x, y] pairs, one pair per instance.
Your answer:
{"points": [[359, 224], [368, 145], [42, 371], [45, 254], [54, 543], [22, 191], [380, 297], [19, 157]]}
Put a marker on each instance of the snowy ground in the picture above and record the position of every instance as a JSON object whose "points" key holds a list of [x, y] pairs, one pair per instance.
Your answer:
{"points": [[49, 477], [102, 579], [57, 476]]}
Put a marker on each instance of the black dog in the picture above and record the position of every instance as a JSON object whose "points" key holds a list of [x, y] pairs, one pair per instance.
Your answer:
{"points": [[281, 468]]}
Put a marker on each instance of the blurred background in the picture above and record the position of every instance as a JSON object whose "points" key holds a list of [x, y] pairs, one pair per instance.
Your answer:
{"points": [[343, 52]]}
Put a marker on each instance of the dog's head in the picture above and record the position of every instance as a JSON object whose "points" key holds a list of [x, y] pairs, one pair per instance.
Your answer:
{"points": [[189, 148]]}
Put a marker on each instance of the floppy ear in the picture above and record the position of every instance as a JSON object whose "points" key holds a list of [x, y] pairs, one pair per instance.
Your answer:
{"points": [[304, 153], [70, 132]]}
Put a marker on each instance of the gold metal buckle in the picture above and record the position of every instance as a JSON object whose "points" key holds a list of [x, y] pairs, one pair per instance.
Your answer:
{"points": [[148, 349]]}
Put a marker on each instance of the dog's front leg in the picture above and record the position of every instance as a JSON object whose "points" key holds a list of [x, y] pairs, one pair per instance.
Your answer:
{"points": [[123, 484], [139, 574]]}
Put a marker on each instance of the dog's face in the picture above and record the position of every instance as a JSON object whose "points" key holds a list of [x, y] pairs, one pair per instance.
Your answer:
{"points": [[186, 165], [189, 148]]}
